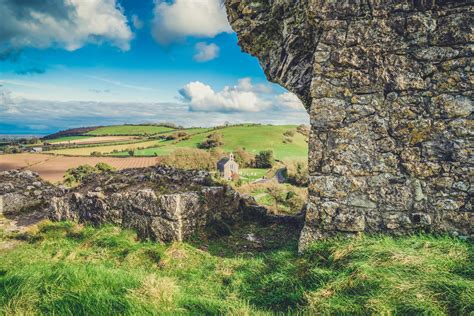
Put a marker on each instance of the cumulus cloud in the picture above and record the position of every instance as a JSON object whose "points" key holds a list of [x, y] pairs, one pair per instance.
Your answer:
{"points": [[290, 101], [239, 98], [206, 52], [243, 97], [182, 18], [69, 24]]}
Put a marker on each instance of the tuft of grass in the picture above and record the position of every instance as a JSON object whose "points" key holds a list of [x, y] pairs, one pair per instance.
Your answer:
{"points": [[66, 268]]}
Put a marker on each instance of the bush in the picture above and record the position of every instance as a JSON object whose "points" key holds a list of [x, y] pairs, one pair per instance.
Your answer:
{"points": [[131, 153], [264, 159], [244, 158], [297, 172], [75, 176], [189, 158], [303, 130], [212, 141], [102, 166], [96, 154], [289, 133]]}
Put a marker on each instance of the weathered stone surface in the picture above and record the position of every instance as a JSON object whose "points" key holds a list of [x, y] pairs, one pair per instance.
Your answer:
{"points": [[388, 86], [21, 190], [160, 203]]}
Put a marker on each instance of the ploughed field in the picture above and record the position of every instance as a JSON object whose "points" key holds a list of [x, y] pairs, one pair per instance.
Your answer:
{"points": [[52, 168]]}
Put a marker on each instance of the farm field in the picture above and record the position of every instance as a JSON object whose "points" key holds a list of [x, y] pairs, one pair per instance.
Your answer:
{"points": [[52, 168], [130, 130], [254, 138], [66, 139], [283, 140], [105, 149], [87, 140]]}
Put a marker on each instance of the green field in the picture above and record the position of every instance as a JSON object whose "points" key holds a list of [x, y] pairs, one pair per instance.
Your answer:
{"points": [[123, 130], [252, 174], [104, 149], [69, 269], [254, 138], [65, 139]]}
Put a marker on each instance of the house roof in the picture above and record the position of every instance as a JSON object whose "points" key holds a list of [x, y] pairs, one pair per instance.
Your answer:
{"points": [[221, 163]]}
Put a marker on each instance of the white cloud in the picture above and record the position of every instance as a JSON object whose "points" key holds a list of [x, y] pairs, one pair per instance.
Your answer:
{"points": [[206, 52], [137, 23], [41, 116], [69, 24], [182, 18], [289, 100], [202, 97]]}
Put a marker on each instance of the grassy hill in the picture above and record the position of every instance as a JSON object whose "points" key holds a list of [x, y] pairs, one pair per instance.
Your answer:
{"points": [[254, 138], [69, 269], [132, 130]]}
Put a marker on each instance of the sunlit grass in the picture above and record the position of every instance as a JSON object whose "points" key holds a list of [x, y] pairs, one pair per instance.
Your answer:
{"points": [[65, 268]]}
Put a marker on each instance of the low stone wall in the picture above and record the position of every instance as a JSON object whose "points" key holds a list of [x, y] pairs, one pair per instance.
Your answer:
{"points": [[161, 217]]}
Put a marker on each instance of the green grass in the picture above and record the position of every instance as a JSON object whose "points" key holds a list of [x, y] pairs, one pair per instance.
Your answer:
{"points": [[254, 138], [66, 138], [67, 269], [121, 130], [252, 174]]}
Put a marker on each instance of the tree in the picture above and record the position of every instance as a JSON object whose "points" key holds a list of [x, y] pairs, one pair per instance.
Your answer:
{"points": [[264, 159]]}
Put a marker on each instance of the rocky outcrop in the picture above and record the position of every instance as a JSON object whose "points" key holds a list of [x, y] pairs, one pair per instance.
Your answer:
{"points": [[388, 86], [24, 191], [160, 203]]}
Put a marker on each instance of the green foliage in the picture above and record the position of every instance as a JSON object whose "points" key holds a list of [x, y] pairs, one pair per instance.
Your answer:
{"points": [[264, 159], [74, 176], [212, 141], [297, 172], [69, 269]]}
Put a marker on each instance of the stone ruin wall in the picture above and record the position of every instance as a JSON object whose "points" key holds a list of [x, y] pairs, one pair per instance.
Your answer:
{"points": [[388, 85]]}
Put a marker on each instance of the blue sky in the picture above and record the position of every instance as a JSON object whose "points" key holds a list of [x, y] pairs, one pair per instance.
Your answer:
{"points": [[64, 63]]}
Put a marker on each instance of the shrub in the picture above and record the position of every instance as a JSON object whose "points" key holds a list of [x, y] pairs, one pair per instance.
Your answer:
{"points": [[96, 154], [289, 133], [297, 172], [131, 153], [189, 158], [102, 166], [212, 141], [303, 130], [75, 176], [264, 159], [244, 158]]}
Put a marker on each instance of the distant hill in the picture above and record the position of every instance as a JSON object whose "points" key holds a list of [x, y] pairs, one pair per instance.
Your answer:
{"points": [[71, 132], [286, 141]]}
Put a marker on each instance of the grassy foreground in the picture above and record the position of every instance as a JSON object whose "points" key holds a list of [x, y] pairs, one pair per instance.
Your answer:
{"points": [[68, 269]]}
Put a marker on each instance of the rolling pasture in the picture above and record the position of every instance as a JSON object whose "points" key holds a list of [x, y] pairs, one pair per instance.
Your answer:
{"points": [[120, 130]]}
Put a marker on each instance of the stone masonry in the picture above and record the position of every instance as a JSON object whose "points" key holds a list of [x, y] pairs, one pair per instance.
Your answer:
{"points": [[388, 85]]}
